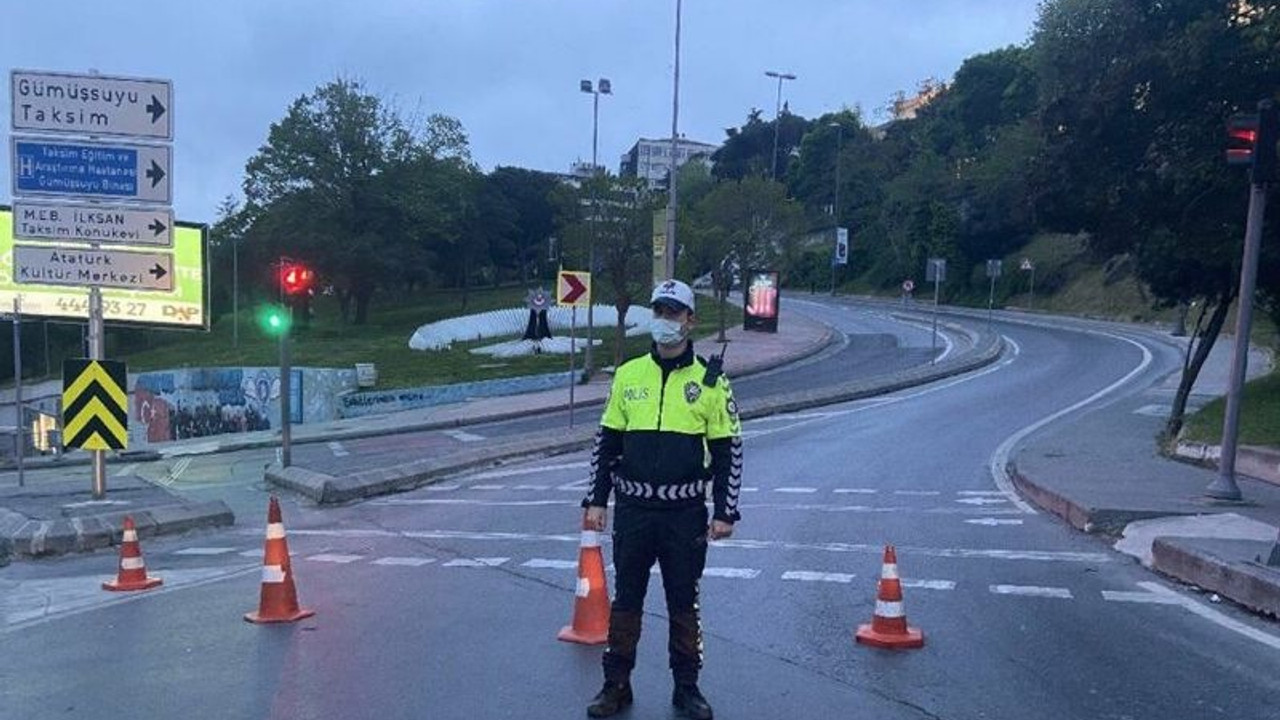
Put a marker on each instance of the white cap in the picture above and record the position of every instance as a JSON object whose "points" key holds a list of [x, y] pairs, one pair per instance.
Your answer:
{"points": [[673, 292]]}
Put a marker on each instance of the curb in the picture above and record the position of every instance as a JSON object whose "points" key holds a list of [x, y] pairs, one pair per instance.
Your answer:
{"points": [[27, 538], [327, 489], [1252, 585], [1110, 522]]}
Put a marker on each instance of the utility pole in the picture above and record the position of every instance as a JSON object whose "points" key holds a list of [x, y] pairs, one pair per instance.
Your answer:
{"points": [[670, 258], [777, 118], [603, 86]]}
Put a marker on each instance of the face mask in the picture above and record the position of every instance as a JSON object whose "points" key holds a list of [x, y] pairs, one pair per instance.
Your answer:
{"points": [[666, 332]]}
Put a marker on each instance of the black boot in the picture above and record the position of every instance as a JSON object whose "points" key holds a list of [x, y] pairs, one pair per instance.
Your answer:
{"points": [[611, 699], [689, 701]]}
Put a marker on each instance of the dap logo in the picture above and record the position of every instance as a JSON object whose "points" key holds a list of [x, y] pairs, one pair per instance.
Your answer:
{"points": [[182, 314]]}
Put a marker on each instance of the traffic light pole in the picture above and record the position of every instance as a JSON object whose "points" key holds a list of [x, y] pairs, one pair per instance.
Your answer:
{"points": [[96, 352], [286, 395], [1225, 487]]}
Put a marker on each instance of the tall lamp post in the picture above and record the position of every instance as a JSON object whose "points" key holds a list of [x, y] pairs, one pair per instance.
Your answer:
{"points": [[835, 209], [777, 118], [670, 252], [602, 87]]}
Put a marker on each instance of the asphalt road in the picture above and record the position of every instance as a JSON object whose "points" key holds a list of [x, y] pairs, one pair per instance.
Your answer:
{"points": [[444, 602]]}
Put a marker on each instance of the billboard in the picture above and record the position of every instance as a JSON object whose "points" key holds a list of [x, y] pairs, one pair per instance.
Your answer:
{"points": [[760, 311], [186, 306]]}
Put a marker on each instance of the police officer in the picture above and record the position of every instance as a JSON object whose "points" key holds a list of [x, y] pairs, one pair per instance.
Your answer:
{"points": [[667, 413]]}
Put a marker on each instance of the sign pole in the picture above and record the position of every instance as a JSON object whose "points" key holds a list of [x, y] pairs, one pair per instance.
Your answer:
{"points": [[20, 434], [991, 300], [937, 284], [96, 346], [573, 322]]}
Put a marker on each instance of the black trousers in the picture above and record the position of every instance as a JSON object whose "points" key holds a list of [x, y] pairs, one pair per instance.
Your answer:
{"points": [[676, 538]]}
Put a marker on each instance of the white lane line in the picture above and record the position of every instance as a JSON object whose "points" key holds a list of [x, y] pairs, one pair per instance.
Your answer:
{"points": [[464, 436], [531, 487], [981, 493], [258, 553], [552, 564], [477, 562], [488, 487], [404, 561], [336, 558], [205, 551], [992, 522], [750, 489], [1032, 591], [982, 501], [127, 470], [917, 493], [855, 491], [795, 490], [731, 572], [930, 584], [179, 468], [811, 576], [464, 501], [336, 448], [755, 506], [999, 465], [1214, 616], [498, 474], [442, 487], [904, 551], [1138, 597], [576, 486]]}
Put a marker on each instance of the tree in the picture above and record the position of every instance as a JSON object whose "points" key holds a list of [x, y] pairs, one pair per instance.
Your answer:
{"points": [[748, 151]]}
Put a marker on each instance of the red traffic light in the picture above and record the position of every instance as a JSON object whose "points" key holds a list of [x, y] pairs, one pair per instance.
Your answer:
{"points": [[1242, 138], [296, 278]]}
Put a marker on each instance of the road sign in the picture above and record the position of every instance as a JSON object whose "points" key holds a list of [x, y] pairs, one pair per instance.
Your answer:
{"points": [[1027, 265], [45, 265], [842, 246], [108, 225], [187, 306], [994, 268], [573, 289], [936, 270], [908, 285], [48, 102], [92, 170], [95, 406]]}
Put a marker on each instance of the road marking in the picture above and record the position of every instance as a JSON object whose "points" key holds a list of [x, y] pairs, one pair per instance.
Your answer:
{"points": [[1138, 597], [981, 493], [477, 562], [930, 584], [258, 553], [981, 501], [464, 436], [992, 522], [855, 491], [531, 487], [127, 470], [176, 471], [338, 451], [811, 576], [465, 501], [823, 508], [1032, 591], [795, 490], [750, 489], [731, 572], [551, 564], [488, 487], [204, 551], [442, 487], [404, 561], [920, 493], [336, 558], [999, 465], [497, 474], [1214, 616]]}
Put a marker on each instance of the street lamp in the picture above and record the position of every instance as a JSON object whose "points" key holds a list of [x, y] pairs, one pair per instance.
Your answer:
{"points": [[669, 259], [602, 87], [777, 117], [835, 209]]}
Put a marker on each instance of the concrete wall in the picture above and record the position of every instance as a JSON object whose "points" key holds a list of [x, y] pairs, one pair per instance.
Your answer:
{"points": [[361, 404], [196, 402]]}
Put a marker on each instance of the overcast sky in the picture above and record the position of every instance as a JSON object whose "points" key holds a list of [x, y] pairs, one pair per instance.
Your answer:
{"points": [[508, 69]]}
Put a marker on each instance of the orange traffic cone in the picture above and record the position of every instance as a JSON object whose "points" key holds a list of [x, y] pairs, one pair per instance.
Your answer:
{"points": [[888, 627], [591, 604], [279, 599], [133, 570]]}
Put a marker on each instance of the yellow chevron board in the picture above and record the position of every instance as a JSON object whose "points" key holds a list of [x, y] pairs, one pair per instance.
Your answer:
{"points": [[95, 407]]}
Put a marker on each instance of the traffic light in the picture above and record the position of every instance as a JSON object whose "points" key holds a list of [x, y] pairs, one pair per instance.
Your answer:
{"points": [[1251, 141], [295, 278], [274, 319]]}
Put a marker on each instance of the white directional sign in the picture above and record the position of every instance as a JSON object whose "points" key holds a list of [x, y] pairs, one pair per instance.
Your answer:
{"points": [[106, 268], [94, 170], [108, 225], [91, 105]]}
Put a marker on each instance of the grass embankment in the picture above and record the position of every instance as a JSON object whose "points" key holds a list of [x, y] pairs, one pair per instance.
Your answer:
{"points": [[1259, 416], [383, 340]]}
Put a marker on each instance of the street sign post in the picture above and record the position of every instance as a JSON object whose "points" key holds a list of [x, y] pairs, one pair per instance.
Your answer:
{"points": [[97, 224], [994, 269], [48, 102], [1028, 266], [936, 272], [41, 265], [841, 255], [92, 170], [573, 290]]}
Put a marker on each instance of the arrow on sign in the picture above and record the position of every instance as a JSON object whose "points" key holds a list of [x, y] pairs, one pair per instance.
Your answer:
{"points": [[992, 522], [575, 289], [156, 108], [155, 174], [157, 227], [157, 272]]}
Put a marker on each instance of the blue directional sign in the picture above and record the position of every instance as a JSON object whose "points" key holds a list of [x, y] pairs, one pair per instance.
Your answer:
{"points": [[92, 170]]}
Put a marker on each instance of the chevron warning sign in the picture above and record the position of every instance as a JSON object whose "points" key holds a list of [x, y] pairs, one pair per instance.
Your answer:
{"points": [[95, 408]]}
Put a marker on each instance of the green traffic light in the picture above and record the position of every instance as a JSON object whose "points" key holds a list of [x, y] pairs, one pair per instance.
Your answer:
{"points": [[273, 319]]}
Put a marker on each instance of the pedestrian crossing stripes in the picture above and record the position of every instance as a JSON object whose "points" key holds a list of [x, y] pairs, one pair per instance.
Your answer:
{"points": [[977, 498]]}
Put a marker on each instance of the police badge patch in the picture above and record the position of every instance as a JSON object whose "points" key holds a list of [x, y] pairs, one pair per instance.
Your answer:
{"points": [[692, 391], [731, 407]]}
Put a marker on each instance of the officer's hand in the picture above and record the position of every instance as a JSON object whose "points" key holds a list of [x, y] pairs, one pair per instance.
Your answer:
{"points": [[720, 529], [594, 518]]}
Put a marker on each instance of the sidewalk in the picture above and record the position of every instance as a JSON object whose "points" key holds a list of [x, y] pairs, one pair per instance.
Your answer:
{"points": [[1103, 474]]}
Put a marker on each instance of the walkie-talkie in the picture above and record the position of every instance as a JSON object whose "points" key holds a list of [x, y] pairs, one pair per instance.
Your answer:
{"points": [[715, 366]]}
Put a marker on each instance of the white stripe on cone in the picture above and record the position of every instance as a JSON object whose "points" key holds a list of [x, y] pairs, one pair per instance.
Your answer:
{"points": [[130, 536], [272, 574], [132, 563], [584, 587], [889, 572], [887, 609], [275, 531], [590, 538]]}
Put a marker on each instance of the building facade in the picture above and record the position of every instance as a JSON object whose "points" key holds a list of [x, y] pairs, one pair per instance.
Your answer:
{"points": [[651, 159]]}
